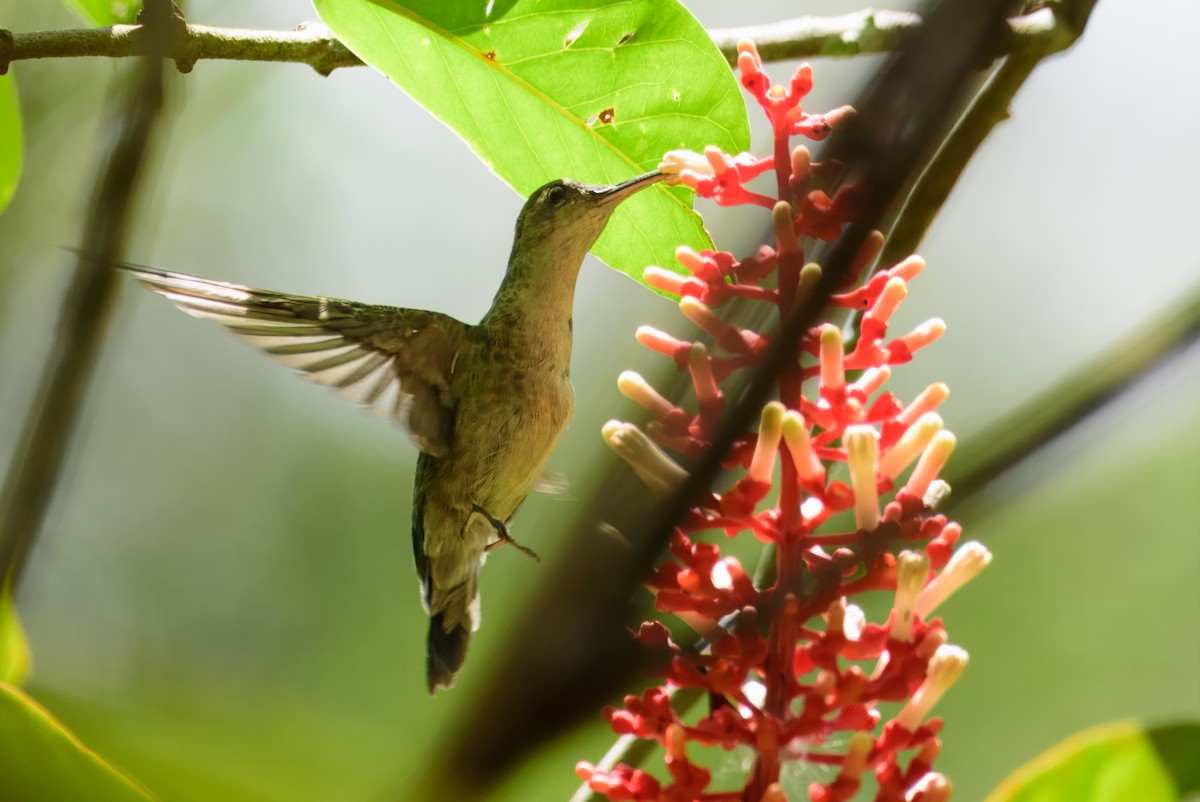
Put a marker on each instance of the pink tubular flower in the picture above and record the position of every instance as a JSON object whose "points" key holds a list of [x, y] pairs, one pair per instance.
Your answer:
{"points": [[791, 664]]}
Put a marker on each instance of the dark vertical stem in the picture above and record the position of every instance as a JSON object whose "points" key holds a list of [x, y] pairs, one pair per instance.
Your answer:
{"points": [[79, 334]]}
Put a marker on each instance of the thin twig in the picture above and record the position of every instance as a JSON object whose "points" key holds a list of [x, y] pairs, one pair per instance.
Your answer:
{"points": [[988, 109], [312, 43], [1043, 420], [83, 319]]}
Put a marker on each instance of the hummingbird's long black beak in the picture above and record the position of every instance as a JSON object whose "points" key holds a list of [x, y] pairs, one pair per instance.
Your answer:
{"points": [[612, 195]]}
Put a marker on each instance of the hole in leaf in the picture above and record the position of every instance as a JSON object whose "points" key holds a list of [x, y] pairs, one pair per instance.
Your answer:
{"points": [[487, 10], [575, 33], [626, 38], [605, 117], [490, 55]]}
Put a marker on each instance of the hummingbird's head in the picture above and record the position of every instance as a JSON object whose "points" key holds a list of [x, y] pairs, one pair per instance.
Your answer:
{"points": [[569, 216]]}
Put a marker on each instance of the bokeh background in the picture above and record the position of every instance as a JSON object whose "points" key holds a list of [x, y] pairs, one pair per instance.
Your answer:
{"points": [[222, 602]]}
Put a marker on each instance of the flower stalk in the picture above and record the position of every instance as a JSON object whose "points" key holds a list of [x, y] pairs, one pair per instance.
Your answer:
{"points": [[792, 668]]}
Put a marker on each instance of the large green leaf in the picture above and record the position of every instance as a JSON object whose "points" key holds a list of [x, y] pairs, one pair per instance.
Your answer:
{"points": [[10, 140], [105, 12], [1121, 762], [14, 649], [40, 761], [595, 90]]}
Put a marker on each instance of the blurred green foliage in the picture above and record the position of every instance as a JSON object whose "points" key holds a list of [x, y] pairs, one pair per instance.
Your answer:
{"points": [[102, 13], [11, 140], [39, 760], [1112, 763]]}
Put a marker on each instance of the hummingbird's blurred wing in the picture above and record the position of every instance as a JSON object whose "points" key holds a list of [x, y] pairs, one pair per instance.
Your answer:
{"points": [[396, 362]]}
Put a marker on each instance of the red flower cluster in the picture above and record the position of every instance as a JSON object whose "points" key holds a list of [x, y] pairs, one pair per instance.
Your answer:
{"points": [[792, 666]]}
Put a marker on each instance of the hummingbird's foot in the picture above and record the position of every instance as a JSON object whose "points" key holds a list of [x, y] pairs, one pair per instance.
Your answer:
{"points": [[501, 534], [505, 538]]}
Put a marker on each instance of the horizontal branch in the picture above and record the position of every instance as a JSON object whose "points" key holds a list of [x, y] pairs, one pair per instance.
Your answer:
{"points": [[313, 44]]}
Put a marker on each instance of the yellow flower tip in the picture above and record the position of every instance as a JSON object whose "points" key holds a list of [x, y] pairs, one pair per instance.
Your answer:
{"points": [[656, 340], [698, 357], [932, 460], [785, 227], [638, 390], [924, 334], [689, 259], [833, 375], [697, 312], [770, 430], [861, 446], [933, 787], [718, 163], [910, 445], [937, 492], [965, 564], [657, 471], [909, 269], [885, 305], [872, 379], [870, 248], [665, 280], [804, 457], [840, 115], [675, 741], [674, 162], [747, 46], [810, 274], [930, 399], [801, 163], [835, 616], [944, 670], [912, 569], [857, 752]]}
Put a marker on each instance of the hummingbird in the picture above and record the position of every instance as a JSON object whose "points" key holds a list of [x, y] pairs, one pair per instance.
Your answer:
{"points": [[484, 403]]}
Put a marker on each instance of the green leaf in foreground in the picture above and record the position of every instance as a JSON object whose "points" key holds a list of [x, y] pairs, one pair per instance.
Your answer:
{"points": [[40, 761], [595, 90], [14, 649], [102, 13], [1121, 762], [11, 146]]}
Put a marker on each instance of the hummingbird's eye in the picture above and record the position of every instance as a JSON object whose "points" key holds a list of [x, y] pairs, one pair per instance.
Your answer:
{"points": [[557, 195]]}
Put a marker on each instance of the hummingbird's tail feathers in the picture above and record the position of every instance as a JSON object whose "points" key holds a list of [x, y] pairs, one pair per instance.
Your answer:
{"points": [[447, 649], [396, 362]]}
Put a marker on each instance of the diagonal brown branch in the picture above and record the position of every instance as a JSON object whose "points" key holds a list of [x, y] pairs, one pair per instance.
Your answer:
{"points": [[987, 110], [38, 460], [312, 43], [1040, 422]]}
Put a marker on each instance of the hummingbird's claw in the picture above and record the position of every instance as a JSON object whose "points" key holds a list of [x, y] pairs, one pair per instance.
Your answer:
{"points": [[502, 535]]}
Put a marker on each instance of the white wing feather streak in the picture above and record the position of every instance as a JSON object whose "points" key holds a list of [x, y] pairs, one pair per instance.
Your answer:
{"points": [[365, 353]]}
